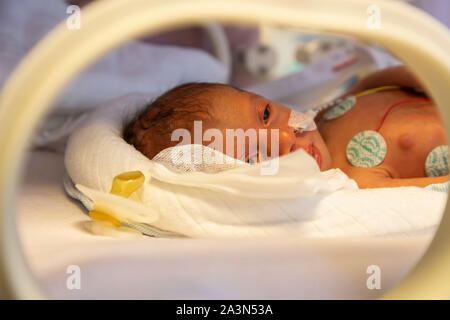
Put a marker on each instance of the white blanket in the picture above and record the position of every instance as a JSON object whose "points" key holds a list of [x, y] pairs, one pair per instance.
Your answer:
{"points": [[298, 201], [51, 229]]}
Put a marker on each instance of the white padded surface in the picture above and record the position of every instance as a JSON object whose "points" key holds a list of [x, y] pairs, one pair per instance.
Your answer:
{"points": [[52, 232]]}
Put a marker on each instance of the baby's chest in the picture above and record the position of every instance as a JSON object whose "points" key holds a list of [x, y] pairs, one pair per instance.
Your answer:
{"points": [[369, 135]]}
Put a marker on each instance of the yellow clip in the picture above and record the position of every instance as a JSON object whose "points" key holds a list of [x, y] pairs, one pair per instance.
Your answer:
{"points": [[126, 183], [123, 185], [101, 216]]}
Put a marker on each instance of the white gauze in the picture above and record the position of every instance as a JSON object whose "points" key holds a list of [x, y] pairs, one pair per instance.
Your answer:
{"points": [[302, 121], [196, 158]]}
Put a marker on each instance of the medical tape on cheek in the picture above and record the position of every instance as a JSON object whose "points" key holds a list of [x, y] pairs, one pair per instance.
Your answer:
{"points": [[302, 121]]}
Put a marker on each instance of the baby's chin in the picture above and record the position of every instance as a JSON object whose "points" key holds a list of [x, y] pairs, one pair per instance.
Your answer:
{"points": [[326, 162]]}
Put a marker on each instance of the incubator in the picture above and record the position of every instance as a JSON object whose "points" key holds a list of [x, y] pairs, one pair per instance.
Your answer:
{"points": [[122, 190]]}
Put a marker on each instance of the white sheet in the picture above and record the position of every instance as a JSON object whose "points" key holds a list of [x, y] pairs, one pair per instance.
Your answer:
{"points": [[52, 232]]}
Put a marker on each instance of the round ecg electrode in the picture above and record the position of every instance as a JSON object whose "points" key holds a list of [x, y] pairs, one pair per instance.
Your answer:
{"points": [[366, 149], [436, 164], [341, 106]]}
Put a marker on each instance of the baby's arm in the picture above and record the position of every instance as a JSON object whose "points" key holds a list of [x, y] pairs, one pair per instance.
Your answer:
{"points": [[418, 182], [400, 76], [380, 178]]}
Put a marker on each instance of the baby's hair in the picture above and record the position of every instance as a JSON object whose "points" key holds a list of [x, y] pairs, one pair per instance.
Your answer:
{"points": [[151, 130]]}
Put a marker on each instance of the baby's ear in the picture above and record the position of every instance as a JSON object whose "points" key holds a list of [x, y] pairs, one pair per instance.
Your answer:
{"points": [[146, 118], [128, 132], [133, 130]]}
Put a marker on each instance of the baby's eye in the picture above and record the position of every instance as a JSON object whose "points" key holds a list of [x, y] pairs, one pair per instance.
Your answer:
{"points": [[266, 113]]}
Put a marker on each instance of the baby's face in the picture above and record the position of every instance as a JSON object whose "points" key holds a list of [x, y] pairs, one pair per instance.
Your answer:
{"points": [[234, 109]]}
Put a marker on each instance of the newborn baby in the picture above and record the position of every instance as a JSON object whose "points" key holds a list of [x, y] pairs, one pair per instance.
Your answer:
{"points": [[382, 134]]}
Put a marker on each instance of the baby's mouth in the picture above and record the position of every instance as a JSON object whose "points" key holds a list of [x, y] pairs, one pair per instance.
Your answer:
{"points": [[315, 153]]}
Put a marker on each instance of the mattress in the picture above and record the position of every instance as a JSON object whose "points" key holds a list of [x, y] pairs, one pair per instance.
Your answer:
{"points": [[54, 237]]}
